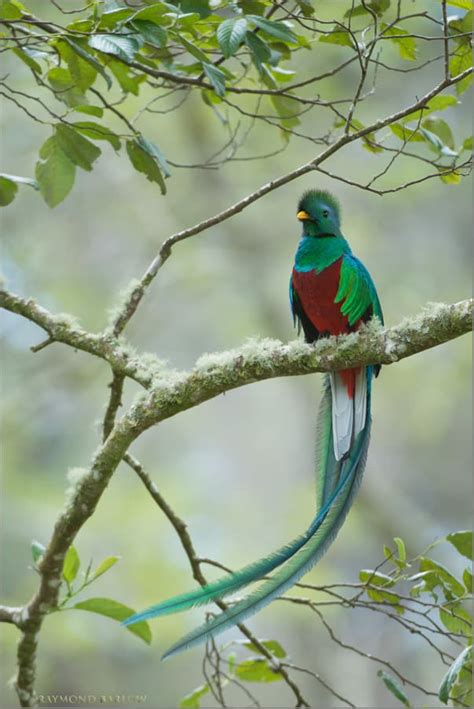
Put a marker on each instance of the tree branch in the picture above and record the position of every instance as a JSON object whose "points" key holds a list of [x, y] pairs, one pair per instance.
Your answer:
{"points": [[11, 615], [267, 359], [195, 563], [85, 497], [63, 328]]}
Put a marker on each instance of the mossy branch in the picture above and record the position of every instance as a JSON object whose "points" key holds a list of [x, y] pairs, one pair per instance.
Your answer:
{"points": [[257, 360], [174, 391]]}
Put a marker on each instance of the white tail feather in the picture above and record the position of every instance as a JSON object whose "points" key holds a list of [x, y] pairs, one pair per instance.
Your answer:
{"points": [[342, 416], [360, 401], [348, 414]]}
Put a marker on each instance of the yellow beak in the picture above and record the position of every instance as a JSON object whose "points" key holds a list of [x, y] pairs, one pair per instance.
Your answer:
{"points": [[302, 216]]}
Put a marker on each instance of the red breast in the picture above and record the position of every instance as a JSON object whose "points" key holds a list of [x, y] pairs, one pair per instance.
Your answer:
{"points": [[317, 293]]}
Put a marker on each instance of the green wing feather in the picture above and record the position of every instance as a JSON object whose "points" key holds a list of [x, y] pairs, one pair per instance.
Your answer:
{"points": [[357, 291]]}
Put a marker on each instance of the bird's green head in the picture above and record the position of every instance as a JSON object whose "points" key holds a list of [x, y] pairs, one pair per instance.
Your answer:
{"points": [[320, 214]]}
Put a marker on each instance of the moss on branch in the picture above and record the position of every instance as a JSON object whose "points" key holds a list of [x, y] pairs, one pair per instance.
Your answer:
{"points": [[257, 360]]}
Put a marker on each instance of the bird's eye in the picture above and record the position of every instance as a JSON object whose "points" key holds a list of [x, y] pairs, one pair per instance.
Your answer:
{"points": [[325, 213]]}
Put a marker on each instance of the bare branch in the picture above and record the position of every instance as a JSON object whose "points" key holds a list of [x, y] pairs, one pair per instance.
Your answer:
{"points": [[63, 328], [195, 563]]}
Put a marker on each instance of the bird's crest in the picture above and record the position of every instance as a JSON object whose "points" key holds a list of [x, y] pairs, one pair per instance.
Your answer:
{"points": [[312, 199]]}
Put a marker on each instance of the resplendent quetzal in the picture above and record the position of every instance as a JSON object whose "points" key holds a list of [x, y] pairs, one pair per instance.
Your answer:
{"points": [[331, 293]]}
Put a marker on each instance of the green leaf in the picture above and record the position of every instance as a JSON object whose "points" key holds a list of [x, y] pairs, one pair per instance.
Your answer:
{"points": [[378, 6], [462, 690], [337, 37], [82, 71], [267, 76], [400, 544], [460, 61], [123, 47], [279, 47], [394, 687], [369, 141], [97, 131], [231, 660], [152, 34], [282, 74], [201, 7], [453, 177], [409, 134], [463, 542], [256, 670], [191, 701], [90, 110], [156, 13], [111, 18], [259, 48], [104, 566], [116, 611], [436, 142], [216, 77], [143, 162], [460, 25], [405, 42], [129, 83], [71, 565], [451, 676], [87, 59], [274, 28], [464, 4], [192, 49], [155, 153], [467, 580], [306, 8], [24, 55], [456, 619], [467, 144], [37, 551], [65, 88], [9, 10], [230, 35], [438, 103], [252, 7], [55, 173], [78, 149], [439, 576], [8, 190], [443, 131], [376, 578], [288, 111], [272, 646]]}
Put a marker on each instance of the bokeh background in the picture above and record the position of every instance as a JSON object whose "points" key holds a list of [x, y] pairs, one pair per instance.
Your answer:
{"points": [[238, 468]]}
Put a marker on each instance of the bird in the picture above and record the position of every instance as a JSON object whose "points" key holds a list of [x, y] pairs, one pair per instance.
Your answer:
{"points": [[331, 293]]}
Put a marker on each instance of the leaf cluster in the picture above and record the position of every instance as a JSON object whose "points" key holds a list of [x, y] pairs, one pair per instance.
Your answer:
{"points": [[225, 51]]}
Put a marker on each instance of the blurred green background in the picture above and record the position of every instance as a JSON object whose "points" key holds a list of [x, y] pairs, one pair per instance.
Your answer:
{"points": [[238, 468]]}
